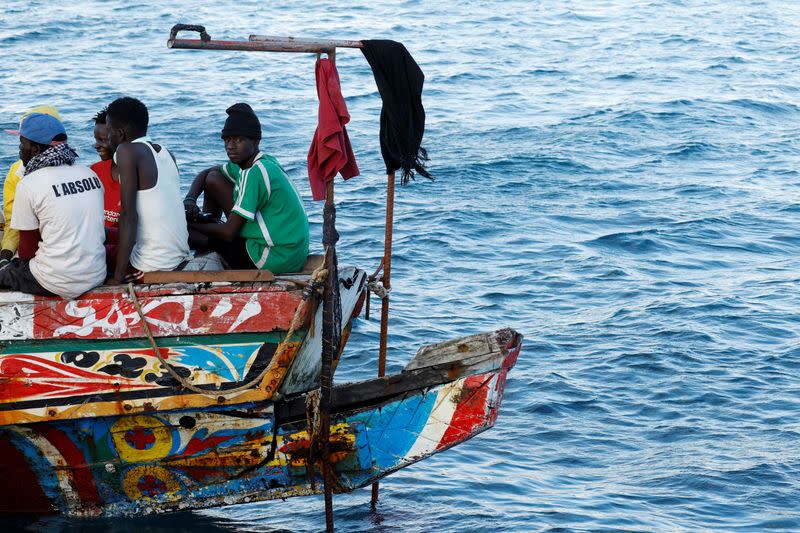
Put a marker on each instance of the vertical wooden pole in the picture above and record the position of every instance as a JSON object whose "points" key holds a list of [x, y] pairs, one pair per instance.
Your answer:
{"points": [[331, 319], [387, 272]]}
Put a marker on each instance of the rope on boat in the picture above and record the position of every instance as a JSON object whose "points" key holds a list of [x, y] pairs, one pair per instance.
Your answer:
{"points": [[313, 428], [315, 443], [312, 289], [377, 288]]}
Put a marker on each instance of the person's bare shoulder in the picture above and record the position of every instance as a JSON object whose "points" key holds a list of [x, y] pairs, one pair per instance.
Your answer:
{"points": [[134, 151]]}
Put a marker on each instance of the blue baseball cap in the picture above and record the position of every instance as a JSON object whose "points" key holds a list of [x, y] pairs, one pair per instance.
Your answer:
{"points": [[41, 128]]}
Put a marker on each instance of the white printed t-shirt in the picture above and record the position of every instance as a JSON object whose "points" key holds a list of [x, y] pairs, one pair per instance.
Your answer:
{"points": [[65, 203]]}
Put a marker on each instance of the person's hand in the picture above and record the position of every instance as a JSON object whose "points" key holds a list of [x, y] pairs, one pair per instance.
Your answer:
{"points": [[131, 277], [191, 209]]}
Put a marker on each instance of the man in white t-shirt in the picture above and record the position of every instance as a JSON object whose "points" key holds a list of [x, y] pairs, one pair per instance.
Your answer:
{"points": [[58, 210]]}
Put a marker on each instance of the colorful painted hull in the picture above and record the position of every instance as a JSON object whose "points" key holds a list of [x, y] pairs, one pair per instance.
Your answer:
{"points": [[188, 459], [86, 358]]}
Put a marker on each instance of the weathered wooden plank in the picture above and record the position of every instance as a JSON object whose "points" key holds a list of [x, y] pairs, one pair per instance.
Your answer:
{"points": [[112, 316], [454, 350], [306, 368], [176, 303], [323, 44], [250, 46], [206, 276], [489, 352]]}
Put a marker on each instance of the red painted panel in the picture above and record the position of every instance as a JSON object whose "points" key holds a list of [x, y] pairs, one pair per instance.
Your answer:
{"points": [[24, 377], [81, 475], [470, 412], [198, 445], [115, 315]]}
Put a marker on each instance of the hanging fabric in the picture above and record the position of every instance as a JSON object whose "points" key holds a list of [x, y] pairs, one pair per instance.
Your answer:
{"points": [[330, 152], [399, 81]]}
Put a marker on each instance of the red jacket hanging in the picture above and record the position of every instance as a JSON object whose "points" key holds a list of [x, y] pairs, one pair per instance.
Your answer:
{"points": [[330, 151]]}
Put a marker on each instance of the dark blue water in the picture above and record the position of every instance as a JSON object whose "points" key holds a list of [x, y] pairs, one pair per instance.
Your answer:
{"points": [[618, 180]]}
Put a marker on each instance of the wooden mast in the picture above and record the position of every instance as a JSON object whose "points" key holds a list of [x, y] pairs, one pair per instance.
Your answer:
{"points": [[331, 323]]}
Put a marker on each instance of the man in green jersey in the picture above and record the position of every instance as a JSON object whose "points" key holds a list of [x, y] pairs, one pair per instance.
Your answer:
{"points": [[266, 226]]}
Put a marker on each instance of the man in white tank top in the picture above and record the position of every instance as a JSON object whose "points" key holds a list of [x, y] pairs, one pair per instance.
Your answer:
{"points": [[152, 227]]}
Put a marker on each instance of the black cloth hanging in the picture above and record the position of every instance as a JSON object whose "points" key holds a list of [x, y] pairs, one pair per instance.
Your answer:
{"points": [[399, 81]]}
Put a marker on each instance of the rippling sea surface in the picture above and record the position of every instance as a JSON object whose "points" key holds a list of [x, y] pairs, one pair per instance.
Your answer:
{"points": [[617, 180]]}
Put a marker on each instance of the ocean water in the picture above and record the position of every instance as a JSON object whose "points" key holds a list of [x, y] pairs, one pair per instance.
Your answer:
{"points": [[617, 180]]}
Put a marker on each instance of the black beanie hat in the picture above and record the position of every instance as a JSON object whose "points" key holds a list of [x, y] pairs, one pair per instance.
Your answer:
{"points": [[243, 121]]}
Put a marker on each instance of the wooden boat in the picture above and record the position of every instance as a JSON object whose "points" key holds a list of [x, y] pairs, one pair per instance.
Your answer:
{"points": [[255, 450], [198, 389]]}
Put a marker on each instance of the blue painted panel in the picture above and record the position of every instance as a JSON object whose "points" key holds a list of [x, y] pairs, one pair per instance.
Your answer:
{"points": [[218, 358], [392, 430]]}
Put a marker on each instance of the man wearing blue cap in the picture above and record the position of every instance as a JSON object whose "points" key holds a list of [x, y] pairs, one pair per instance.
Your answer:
{"points": [[10, 242], [58, 211]]}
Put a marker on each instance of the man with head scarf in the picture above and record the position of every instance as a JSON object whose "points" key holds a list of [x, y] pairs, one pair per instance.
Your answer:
{"points": [[58, 210], [10, 241]]}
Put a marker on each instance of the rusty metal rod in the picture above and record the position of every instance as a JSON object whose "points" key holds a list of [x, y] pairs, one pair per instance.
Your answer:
{"points": [[299, 41], [256, 43], [250, 46], [387, 271]]}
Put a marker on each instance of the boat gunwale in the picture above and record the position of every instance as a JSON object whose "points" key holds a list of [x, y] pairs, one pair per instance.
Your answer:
{"points": [[355, 395]]}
